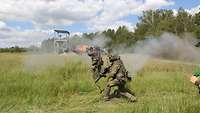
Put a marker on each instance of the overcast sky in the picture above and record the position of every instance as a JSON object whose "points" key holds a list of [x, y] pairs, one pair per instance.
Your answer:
{"points": [[28, 22]]}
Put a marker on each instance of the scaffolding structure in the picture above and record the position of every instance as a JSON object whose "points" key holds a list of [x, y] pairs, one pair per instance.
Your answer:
{"points": [[61, 41]]}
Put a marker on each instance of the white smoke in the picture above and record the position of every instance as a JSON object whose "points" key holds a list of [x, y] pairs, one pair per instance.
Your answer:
{"points": [[100, 41], [167, 46], [134, 62], [35, 62]]}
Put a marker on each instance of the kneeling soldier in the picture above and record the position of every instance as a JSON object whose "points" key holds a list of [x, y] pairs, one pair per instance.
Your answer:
{"points": [[117, 76]]}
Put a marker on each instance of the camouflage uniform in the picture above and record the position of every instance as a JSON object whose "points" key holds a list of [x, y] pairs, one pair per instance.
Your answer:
{"points": [[197, 83], [97, 62], [118, 76]]}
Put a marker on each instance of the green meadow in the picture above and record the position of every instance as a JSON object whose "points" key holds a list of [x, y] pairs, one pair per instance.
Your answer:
{"points": [[162, 86]]}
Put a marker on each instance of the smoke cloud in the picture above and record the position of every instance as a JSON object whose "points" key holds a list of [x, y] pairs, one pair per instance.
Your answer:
{"points": [[167, 46], [99, 40], [35, 62], [134, 62], [170, 46]]}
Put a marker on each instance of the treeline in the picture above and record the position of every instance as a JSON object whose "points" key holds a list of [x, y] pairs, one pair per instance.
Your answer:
{"points": [[13, 49], [17, 49], [153, 23]]}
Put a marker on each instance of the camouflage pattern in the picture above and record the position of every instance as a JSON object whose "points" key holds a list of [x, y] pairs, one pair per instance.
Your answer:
{"points": [[118, 76], [197, 83], [97, 62]]}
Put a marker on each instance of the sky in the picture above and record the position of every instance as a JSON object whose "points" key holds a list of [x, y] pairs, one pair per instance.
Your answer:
{"points": [[28, 22]]}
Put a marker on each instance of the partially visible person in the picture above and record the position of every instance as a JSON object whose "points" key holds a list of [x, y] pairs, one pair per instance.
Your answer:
{"points": [[195, 79]]}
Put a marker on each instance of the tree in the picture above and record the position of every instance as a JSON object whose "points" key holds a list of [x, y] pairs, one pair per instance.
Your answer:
{"points": [[183, 22], [197, 25]]}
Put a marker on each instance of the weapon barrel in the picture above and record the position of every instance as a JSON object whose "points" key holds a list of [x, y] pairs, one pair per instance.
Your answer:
{"points": [[97, 79]]}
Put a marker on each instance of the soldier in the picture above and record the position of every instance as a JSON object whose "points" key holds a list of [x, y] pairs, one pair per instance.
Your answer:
{"points": [[117, 76], [97, 62]]}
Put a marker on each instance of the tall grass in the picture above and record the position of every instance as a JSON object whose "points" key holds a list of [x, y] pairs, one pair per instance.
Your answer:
{"points": [[161, 87]]}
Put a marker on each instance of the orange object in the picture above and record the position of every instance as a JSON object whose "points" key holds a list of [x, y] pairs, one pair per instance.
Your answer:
{"points": [[83, 48], [80, 49]]}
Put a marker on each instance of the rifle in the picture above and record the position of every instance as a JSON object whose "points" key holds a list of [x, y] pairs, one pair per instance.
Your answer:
{"points": [[96, 81], [102, 74]]}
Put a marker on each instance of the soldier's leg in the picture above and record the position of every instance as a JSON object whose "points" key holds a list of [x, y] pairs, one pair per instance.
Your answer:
{"points": [[123, 91], [107, 90], [197, 83], [128, 90]]}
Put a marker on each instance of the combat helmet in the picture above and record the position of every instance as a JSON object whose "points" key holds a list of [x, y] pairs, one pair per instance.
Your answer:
{"points": [[90, 51]]}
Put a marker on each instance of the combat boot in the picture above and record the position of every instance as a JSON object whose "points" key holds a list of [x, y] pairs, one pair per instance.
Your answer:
{"points": [[132, 99]]}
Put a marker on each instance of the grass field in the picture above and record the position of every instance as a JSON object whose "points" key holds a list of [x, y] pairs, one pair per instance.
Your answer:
{"points": [[67, 87]]}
